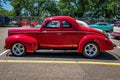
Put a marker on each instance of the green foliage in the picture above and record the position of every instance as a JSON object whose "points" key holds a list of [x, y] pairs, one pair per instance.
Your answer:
{"points": [[75, 8], [4, 12]]}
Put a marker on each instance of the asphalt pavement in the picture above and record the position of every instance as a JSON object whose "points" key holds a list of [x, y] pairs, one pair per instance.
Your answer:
{"points": [[58, 65]]}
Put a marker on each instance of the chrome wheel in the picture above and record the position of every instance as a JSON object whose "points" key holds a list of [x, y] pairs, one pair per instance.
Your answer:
{"points": [[18, 49], [90, 50]]}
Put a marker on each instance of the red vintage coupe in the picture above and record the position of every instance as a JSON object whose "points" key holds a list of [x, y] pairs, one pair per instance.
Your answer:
{"points": [[58, 32]]}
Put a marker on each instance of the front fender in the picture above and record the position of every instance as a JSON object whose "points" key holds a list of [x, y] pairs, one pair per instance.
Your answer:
{"points": [[102, 42], [30, 43]]}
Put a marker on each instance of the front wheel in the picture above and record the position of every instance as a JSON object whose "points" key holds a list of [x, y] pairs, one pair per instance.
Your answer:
{"points": [[18, 49], [91, 50]]}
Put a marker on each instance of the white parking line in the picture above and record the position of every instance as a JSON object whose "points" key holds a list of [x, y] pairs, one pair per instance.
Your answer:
{"points": [[118, 47], [6, 51]]}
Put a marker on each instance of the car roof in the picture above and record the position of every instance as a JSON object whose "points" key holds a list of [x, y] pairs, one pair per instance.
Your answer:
{"points": [[102, 23], [66, 18]]}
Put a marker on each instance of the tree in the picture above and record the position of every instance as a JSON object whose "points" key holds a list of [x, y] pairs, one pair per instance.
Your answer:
{"points": [[4, 12], [51, 7], [105, 8], [17, 5], [75, 8]]}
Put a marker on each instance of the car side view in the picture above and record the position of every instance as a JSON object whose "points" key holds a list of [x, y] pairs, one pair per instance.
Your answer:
{"points": [[61, 33]]}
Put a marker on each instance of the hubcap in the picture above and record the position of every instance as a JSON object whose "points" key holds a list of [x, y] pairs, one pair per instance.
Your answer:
{"points": [[18, 49], [91, 50]]}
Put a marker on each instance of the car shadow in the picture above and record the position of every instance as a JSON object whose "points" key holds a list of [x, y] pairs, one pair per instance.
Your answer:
{"points": [[66, 55]]}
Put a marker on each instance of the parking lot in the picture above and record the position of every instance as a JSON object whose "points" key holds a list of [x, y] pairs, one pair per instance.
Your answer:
{"points": [[58, 65]]}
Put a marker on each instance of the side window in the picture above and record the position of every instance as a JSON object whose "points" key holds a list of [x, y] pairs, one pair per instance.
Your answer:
{"points": [[66, 24], [53, 24]]}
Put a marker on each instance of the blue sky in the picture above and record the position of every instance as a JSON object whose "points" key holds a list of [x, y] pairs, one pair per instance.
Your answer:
{"points": [[7, 6]]}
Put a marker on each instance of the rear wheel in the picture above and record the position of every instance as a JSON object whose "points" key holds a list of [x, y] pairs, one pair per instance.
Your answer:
{"points": [[18, 49], [91, 50]]}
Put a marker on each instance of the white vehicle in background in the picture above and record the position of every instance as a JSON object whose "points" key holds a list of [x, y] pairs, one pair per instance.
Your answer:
{"points": [[82, 23]]}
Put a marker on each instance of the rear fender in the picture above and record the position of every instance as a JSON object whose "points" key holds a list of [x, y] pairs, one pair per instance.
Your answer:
{"points": [[102, 42], [30, 43]]}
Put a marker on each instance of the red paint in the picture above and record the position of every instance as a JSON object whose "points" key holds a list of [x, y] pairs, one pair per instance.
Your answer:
{"points": [[58, 38]]}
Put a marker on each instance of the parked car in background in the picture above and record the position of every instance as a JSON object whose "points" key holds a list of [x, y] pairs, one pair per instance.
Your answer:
{"points": [[58, 32], [82, 23], [103, 26], [25, 22], [4, 21], [117, 23], [38, 26], [33, 23], [116, 30], [13, 22]]}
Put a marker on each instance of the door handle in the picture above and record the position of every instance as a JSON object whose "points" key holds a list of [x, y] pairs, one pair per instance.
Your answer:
{"points": [[58, 33], [44, 31]]}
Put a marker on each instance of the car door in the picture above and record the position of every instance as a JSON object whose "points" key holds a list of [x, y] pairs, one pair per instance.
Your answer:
{"points": [[50, 36], [66, 35], [70, 36]]}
